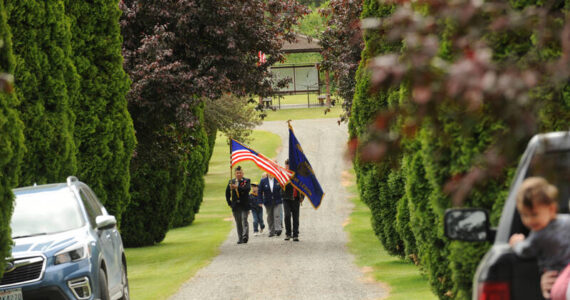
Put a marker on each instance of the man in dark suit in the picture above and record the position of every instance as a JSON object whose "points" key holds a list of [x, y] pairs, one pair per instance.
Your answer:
{"points": [[270, 193], [237, 196], [292, 199]]}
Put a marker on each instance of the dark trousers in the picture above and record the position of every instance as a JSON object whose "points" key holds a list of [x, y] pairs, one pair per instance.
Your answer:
{"points": [[242, 226], [291, 212]]}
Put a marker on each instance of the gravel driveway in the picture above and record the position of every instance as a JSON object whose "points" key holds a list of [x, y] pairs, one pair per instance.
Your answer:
{"points": [[317, 267]]}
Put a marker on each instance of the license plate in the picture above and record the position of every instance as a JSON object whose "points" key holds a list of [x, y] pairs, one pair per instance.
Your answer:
{"points": [[13, 294]]}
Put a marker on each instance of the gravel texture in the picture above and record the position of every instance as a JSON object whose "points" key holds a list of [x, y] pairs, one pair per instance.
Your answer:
{"points": [[317, 267]]}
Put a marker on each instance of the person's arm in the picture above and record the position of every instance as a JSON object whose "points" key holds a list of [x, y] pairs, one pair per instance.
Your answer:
{"points": [[546, 282], [229, 194], [260, 192], [524, 247]]}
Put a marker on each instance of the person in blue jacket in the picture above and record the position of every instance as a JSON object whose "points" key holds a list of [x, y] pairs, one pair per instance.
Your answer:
{"points": [[256, 206], [270, 194]]}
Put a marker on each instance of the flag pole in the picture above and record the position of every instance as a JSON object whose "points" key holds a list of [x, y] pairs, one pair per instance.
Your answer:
{"points": [[231, 167]]}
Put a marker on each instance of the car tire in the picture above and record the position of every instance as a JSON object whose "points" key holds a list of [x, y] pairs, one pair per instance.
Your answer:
{"points": [[125, 282], [103, 288]]}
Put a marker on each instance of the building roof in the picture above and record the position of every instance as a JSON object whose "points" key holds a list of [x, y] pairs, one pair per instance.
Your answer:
{"points": [[302, 44]]}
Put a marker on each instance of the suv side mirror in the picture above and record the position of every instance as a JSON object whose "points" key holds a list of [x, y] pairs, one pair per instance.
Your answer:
{"points": [[467, 224], [105, 222]]}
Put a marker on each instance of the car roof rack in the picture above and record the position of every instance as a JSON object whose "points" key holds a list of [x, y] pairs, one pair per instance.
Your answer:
{"points": [[71, 180]]}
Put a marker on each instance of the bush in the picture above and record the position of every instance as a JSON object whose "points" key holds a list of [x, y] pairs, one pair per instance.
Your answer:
{"points": [[46, 82], [448, 144], [12, 145], [403, 223], [167, 177], [154, 190], [194, 168], [104, 133]]}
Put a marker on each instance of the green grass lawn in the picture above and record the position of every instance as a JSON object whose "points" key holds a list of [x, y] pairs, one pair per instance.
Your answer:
{"points": [[158, 271], [303, 113], [403, 278], [300, 99]]}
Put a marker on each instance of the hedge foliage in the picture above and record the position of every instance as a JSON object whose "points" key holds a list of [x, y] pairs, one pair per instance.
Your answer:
{"points": [[169, 196], [405, 193], [104, 133], [47, 84], [11, 140], [194, 168]]}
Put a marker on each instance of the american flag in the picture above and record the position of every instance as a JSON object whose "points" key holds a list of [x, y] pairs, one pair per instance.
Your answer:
{"points": [[241, 153], [261, 57]]}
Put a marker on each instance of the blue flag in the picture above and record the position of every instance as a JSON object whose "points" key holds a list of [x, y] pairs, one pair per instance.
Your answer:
{"points": [[304, 178]]}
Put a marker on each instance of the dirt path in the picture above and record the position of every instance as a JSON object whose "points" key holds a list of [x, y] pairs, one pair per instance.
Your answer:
{"points": [[317, 267]]}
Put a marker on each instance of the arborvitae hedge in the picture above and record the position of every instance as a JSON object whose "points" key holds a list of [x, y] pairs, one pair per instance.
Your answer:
{"points": [[153, 190], [403, 221], [212, 134], [167, 168], [12, 141], [375, 189], [194, 168], [439, 152], [104, 133], [46, 81]]}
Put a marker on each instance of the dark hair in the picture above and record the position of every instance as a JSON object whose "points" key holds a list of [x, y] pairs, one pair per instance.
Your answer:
{"points": [[536, 190], [287, 161], [238, 168]]}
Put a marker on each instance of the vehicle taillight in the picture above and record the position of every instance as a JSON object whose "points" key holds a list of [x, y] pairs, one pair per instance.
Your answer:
{"points": [[494, 291]]}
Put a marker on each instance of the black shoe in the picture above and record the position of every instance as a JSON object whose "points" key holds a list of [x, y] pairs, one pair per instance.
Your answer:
{"points": [[287, 238], [295, 239], [240, 242], [278, 233], [245, 241], [271, 234]]}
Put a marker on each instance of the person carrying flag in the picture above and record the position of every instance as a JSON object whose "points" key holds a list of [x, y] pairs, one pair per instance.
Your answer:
{"points": [[237, 196], [292, 199]]}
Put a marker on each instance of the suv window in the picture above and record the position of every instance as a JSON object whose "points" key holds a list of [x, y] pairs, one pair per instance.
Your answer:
{"points": [[555, 167], [39, 212], [91, 205]]}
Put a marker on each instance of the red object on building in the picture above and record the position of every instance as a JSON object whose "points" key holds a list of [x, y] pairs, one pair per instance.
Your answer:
{"points": [[261, 57]]}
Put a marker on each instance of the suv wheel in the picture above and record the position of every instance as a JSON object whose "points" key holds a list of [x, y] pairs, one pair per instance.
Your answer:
{"points": [[103, 290], [125, 282]]}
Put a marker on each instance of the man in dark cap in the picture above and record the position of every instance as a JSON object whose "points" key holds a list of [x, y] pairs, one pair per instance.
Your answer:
{"points": [[292, 199], [237, 196]]}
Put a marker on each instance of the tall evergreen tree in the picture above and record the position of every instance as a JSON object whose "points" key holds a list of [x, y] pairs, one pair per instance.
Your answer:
{"points": [[196, 158], [104, 133], [11, 139], [46, 82]]}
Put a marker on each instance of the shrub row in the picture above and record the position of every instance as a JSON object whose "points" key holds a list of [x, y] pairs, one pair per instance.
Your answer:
{"points": [[405, 191], [68, 115], [11, 140]]}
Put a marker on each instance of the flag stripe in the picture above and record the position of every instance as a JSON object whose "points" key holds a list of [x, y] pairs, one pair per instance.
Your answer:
{"points": [[281, 176], [278, 174], [242, 153]]}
